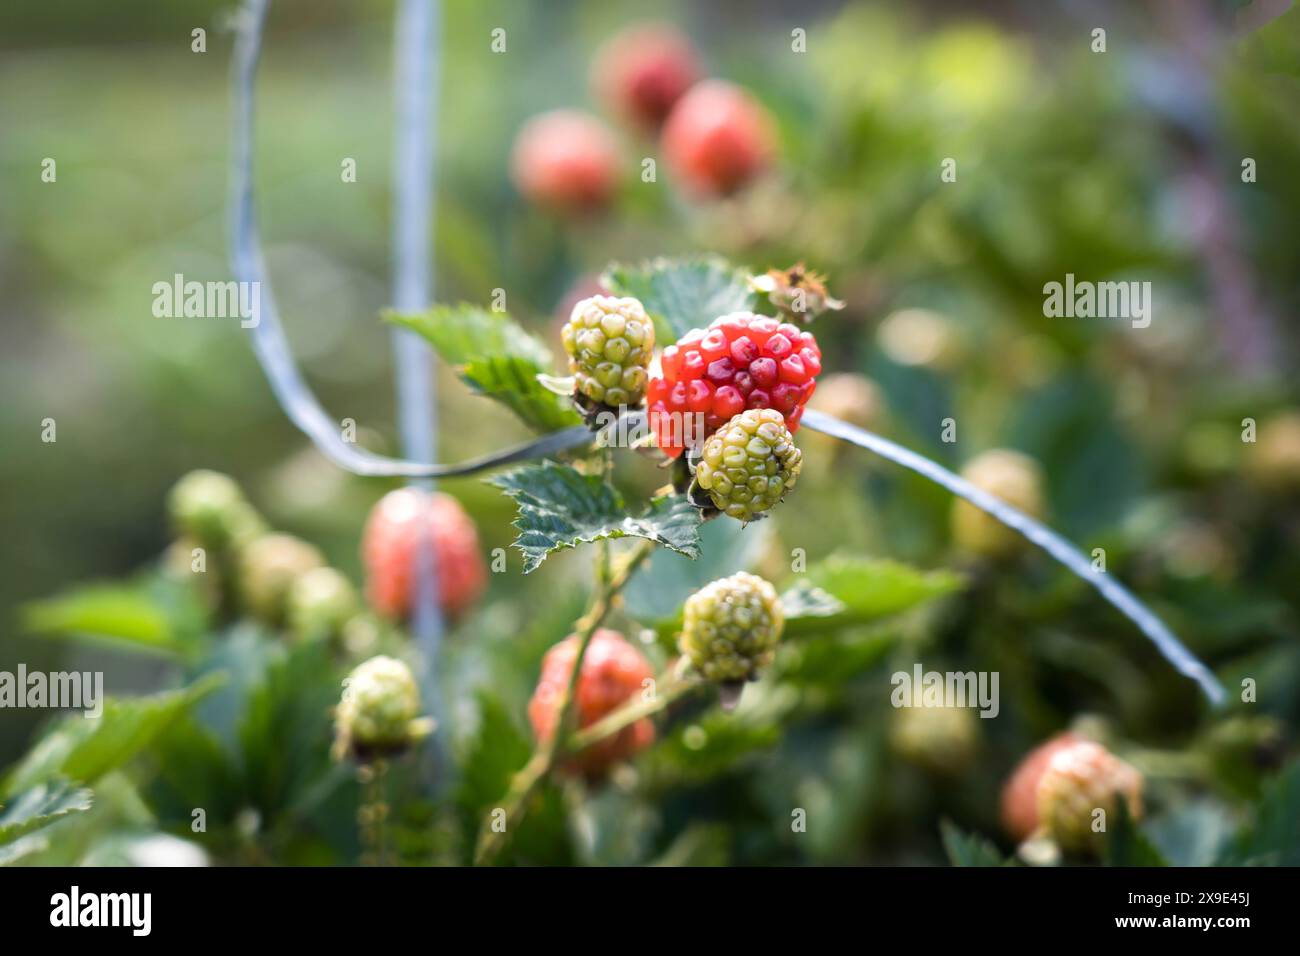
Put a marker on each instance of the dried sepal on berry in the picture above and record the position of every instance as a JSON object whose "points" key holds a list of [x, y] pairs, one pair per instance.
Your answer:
{"points": [[730, 629], [610, 342], [797, 292], [747, 466]]}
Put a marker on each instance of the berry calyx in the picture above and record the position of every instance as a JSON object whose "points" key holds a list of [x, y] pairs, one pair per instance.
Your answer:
{"points": [[390, 548], [749, 464], [379, 712], [798, 293], [1078, 781], [268, 568], [567, 161], [741, 361], [730, 629], [609, 342], [718, 138], [643, 71], [1010, 477], [613, 672]]}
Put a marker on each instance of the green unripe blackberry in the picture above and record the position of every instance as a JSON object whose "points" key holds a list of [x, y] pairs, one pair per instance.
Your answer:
{"points": [[943, 740], [1012, 477], [210, 508], [268, 567], [609, 341], [320, 602], [748, 464], [731, 627], [380, 710]]}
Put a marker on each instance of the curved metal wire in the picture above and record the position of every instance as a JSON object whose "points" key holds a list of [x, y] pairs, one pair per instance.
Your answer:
{"points": [[1063, 551]]}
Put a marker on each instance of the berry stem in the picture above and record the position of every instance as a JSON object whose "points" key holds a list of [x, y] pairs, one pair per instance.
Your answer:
{"points": [[668, 690], [548, 753]]}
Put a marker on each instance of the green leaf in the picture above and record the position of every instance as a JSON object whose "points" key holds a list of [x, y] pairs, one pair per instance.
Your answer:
{"points": [[146, 617], [1126, 845], [495, 357], [285, 726], [968, 849], [39, 806], [83, 749], [1273, 837], [559, 507], [495, 753], [682, 294], [805, 599], [869, 590]]}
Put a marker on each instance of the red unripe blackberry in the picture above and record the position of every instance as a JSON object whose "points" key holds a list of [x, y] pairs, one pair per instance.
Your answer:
{"points": [[389, 551], [613, 673], [1079, 781], [739, 362], [1020, 793], [718, 138], [643, 71], [567, 161]]}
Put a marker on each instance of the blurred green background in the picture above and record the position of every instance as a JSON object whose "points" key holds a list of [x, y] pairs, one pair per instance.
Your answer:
{"points": [[1122, 165]]}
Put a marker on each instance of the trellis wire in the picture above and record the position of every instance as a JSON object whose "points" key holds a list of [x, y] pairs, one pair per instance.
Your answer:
{"points": [[415, 92], [305, 411], [1063, 551], [269, 342]]}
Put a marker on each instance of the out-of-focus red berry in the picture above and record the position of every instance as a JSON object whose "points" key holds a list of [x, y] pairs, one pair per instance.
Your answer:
{"points": [[643, 71], [1020, 793], [390, 543], [718, 138], [567, 161], [612, 674]]}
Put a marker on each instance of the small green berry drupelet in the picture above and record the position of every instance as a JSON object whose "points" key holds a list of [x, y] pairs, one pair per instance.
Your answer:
{"points": [[609, 341], [730, 628], [748, 464]]}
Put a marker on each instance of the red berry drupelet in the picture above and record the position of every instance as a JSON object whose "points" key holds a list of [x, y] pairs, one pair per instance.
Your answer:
{"points": [[613, 672], [739, 362], [390, 543]]}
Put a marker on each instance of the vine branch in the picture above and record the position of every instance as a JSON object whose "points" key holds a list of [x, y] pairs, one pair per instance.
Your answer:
{"points": [[548, 754]]}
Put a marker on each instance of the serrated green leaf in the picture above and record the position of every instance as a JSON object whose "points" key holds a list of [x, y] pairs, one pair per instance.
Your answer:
{"points": [[141, 616], [682, 294], [1126, 845], [870, 589], [83, 749], [496, 357], [559, 507], [39, 806], [968, 849], [1272, 838]]}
